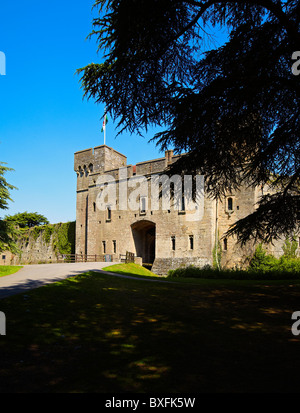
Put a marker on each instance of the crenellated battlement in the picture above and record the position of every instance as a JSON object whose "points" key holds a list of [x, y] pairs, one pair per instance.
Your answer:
{"points": [[99, 159]]}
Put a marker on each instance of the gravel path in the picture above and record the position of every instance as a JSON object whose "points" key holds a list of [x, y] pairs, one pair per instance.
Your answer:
{"points": [[33, 276]]}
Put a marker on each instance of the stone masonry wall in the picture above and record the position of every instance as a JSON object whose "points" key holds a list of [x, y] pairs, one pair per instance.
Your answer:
{"points": [[43, 244], [168, 238]]}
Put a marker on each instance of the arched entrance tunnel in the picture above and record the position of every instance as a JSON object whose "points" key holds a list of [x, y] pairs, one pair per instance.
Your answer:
{"points": [[143, 233]]}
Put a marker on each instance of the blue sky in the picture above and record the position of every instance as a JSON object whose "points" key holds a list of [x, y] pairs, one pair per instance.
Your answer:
{"points": [[44, 118]]}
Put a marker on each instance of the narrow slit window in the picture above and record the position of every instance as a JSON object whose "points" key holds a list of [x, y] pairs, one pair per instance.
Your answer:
{"points": [[143, 204], [191, 241], [182, 203], [173, 243], [114, 246], [104, 247], [229, 204], [108, 213], [225, 244]]}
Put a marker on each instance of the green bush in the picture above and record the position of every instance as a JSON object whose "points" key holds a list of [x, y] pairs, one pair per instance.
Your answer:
{"points": [[207, 272], [284, 273], [262, 266], [289, 264], [262, 262], [290, 248]]}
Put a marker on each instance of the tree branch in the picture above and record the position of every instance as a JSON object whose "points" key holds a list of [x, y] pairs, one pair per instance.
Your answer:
{"points": [[275, 9]]}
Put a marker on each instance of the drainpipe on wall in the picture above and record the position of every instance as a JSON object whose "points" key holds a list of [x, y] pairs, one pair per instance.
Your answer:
{"points": [[216, 237], [86, 224]]}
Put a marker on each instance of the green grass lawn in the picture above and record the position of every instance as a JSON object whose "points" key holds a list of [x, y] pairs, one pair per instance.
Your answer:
{"points": [[100, 333], [8, 269]]}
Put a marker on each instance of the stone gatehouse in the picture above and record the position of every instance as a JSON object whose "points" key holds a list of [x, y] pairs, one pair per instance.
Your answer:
{"points": [[165, 237]]}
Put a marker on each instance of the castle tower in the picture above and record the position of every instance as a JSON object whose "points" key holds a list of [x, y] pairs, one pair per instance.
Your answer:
{"points": [[88, 165]]}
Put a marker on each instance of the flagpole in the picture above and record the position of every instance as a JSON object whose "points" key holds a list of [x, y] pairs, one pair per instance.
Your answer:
{"points": [[104, 125], [105, 120]]}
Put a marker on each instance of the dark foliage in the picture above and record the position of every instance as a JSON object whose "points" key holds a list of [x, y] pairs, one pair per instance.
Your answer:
{"points": [[233, 110]]}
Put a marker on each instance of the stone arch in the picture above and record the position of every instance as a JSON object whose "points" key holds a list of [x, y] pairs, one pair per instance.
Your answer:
{"points": [[144, 234]]}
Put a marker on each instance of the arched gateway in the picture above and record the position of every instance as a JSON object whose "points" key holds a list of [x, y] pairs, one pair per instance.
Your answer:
{"points": [[143, 233]]}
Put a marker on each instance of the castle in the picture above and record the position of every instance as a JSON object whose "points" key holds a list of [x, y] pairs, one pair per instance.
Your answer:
{"points": [[167, 237]]}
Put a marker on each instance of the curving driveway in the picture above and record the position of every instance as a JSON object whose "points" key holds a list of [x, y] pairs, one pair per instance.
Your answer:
{"points": [[33, 276]]}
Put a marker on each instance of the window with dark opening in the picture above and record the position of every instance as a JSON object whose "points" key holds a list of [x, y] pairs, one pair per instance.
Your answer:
{"points": [[229, 204], [108, 213], [104, 247], [182, 203], [143, 204], [173, 243], [191, 240]]}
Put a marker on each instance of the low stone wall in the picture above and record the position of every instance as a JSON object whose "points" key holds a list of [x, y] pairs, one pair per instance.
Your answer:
{"points": [[161, 266]]}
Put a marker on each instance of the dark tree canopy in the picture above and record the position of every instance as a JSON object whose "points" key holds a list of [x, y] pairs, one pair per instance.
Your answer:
{"points": [[233, 110]]}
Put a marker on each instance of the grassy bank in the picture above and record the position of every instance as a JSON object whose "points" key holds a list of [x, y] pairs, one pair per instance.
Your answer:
{"points": [[99, 333], [8, 269], [130, 269]]}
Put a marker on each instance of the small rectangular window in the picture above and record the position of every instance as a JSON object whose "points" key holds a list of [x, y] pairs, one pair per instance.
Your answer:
{"points": [[108, 213], [104, 247], [3, 257], [114, 246], [143, 204], [173, 243], [182, 203], [191, 240]]}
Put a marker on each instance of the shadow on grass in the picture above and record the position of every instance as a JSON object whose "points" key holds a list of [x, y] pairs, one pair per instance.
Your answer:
{"points": [[30, 284], [97, 333]]}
